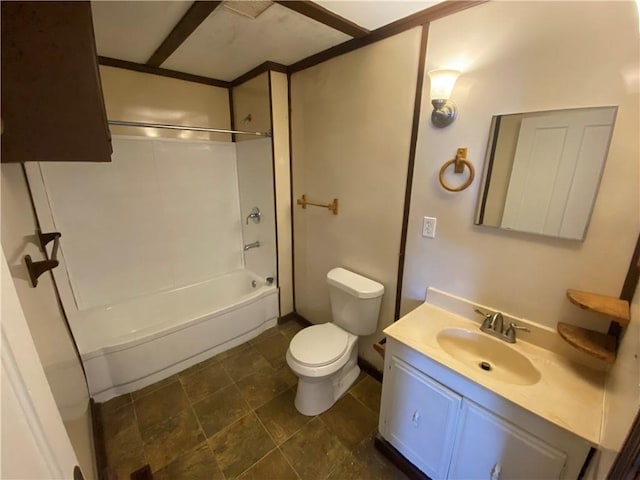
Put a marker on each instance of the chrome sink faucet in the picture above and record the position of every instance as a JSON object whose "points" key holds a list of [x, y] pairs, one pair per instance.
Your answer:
{"points": [[493, 324]]}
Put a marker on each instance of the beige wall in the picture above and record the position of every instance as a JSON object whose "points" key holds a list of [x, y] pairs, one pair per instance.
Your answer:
{"points": [[265, 98], [141, 97], [46, 321], [543, 59], [549, 55], [252, 98], [282, 171], [351, 129]]}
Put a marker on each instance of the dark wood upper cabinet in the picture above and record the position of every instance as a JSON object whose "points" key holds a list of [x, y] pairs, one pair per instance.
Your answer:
{"points": [[52, 105]]}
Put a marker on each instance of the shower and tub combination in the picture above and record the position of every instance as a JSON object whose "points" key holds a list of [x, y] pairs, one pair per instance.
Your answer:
{"points": [[167, 255]]}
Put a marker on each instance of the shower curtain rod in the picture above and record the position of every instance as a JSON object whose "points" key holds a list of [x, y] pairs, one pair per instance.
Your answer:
{"points": [[181, 127]]}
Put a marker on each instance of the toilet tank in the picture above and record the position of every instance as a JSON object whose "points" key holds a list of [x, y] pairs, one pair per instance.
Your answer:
{"points": [[355, 301]]}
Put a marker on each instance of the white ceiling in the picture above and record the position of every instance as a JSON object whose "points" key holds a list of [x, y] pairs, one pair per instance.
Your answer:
{"points": [[374, 14], [227, 45], [133, 30]]}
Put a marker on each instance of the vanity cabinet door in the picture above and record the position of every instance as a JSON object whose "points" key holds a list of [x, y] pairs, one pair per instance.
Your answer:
{"points": [[488, 447], [421, 418]]}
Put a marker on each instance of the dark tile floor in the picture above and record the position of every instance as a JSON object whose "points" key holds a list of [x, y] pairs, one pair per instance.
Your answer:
{"points": [[233, 417]]}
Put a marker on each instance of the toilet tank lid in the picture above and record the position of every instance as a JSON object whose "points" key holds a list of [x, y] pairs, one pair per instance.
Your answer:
{"points": [[356, 285]]}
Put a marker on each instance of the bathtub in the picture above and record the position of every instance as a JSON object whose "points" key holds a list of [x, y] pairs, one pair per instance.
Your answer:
{"points": [[135, 343]]}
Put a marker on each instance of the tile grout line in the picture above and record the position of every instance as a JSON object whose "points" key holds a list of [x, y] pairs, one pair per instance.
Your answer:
{"points": [[191, 404], [328, 427], [206, 439], [255, 411], [279, 335], [135, 415], [377, 414], [288, 462], [277, 447], [178, 380], [250, 411]]}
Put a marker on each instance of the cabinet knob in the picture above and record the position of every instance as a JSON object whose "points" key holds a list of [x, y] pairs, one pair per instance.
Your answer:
{"points": [[415, 417]]}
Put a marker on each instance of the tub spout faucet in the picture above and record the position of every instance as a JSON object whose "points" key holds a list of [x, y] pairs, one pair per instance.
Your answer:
{"points": [[251, 245]]}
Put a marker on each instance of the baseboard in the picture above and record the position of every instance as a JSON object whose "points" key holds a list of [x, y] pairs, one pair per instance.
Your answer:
{"points": [[299, 318], [368, 368], [398, 459], [143, 473], [287, 318], [364, 365]]}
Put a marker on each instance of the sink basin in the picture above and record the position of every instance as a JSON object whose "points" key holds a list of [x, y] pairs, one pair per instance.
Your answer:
{"points": [[488, 354]]}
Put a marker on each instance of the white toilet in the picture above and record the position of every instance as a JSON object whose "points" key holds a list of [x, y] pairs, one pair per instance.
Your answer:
{"points": [[325, 356]]}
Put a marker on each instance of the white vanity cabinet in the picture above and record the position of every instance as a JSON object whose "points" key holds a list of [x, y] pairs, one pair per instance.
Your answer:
{"points": [[450, 427], [421, 418], [489, 447]]}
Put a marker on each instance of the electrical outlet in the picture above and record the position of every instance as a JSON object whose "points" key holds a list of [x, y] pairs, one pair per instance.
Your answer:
{"points": [[429, 227]]}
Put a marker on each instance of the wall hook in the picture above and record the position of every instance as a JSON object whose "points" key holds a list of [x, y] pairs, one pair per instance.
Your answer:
{"points": [[38, 268]]}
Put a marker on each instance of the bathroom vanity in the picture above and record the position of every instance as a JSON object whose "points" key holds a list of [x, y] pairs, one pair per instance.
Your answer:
{"points": [[533, 413]]}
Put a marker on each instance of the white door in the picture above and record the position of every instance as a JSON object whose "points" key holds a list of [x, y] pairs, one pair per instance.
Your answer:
{"points": [[34, 442], [488, 447], [556, 172], [420, 418]]}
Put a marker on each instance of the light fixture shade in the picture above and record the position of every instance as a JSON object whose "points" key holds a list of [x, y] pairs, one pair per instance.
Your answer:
{"points": [[442, 82]]}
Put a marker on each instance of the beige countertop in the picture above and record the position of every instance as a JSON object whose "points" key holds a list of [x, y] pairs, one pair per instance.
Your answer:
{"points": [[568, 394]]}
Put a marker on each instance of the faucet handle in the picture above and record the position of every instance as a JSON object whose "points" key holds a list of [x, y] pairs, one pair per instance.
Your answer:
{"points": [[518, 327], [486, 323], [254, 215], [510, 333]]}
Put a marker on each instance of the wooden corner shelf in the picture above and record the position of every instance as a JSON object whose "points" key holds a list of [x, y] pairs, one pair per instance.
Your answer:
{"points": [[596, 344], [602, 346], [611, 306]]}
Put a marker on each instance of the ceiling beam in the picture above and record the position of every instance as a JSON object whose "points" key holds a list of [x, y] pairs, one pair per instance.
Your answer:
{"points": [[260, 69], [163, 72], [422, 17], [196, 14], [324, 16]]}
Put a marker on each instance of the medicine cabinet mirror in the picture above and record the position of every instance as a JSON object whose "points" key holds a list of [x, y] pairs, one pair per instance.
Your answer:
{"points": [[542, 170]]}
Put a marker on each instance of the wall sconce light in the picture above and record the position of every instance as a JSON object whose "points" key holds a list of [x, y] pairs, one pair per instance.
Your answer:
{"points": [[444, 110]]}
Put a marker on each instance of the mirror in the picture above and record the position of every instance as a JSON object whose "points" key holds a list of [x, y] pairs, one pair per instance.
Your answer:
{"points": [[542, 170]]}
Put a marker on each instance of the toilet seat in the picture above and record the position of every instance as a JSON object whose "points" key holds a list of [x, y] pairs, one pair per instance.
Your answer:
{"points": [[319, 345]]}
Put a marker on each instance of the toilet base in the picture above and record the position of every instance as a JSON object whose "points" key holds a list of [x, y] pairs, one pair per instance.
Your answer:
{"points": [[317, 395]]}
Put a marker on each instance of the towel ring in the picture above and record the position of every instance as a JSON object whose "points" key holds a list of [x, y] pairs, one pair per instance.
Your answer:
{"points": [[459, 163]]}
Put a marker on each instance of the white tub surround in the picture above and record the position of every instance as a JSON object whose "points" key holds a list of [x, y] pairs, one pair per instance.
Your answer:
{"points": [[152, 270]]}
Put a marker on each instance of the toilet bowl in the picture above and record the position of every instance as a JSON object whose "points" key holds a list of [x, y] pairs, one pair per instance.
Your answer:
{"points": [[325, 359], [325, 356]]}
